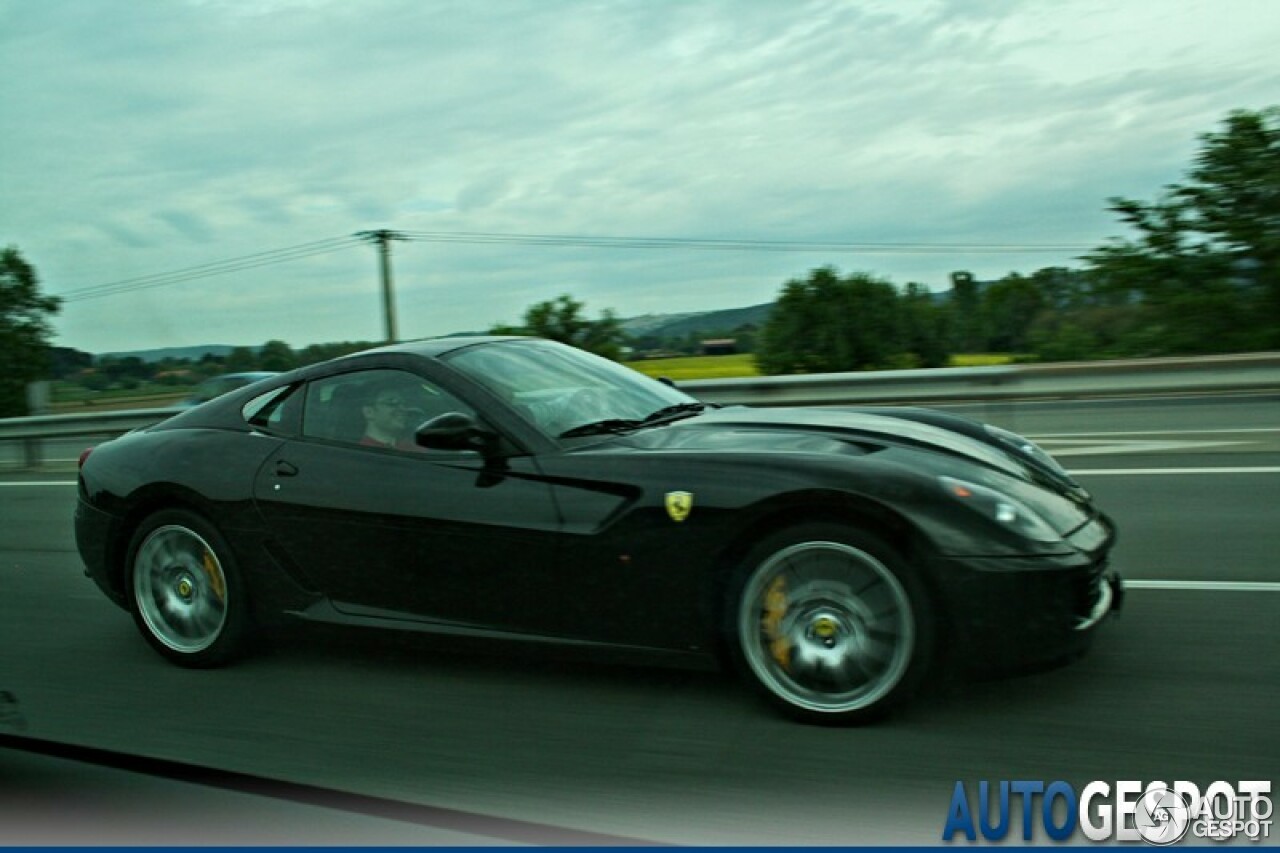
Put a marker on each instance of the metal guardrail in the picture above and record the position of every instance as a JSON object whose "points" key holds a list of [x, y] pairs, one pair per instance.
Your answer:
{"points": [[1067, 380], [81, 424], [33, 431], [1008, 383]]}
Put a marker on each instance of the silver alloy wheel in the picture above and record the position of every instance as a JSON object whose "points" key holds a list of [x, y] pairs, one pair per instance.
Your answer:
{"points": [[826, 627], [180, 589]]}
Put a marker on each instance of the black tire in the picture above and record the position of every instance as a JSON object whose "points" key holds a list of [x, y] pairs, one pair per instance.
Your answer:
{"points": [[185, 590], [830, 624]]}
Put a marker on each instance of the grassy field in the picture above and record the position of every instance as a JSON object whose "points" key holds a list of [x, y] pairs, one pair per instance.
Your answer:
{"points": [[69, 397], [698, 367], [743, 364], [981, 359]]}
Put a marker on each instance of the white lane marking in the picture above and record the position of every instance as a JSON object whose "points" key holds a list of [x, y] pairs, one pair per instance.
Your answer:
{"points": [[1265, 469], [1206, 586], [1111, 446], [1227, 431], [40, 483]]}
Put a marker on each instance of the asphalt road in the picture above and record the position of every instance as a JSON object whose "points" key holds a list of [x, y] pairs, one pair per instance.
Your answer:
{"points": [[1184, 686]]}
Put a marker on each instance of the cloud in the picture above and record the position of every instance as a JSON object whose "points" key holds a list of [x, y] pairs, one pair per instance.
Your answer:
{"points": [[142, 138]]}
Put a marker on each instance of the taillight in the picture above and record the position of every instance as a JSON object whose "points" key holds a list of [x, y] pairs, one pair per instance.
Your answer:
{"points": [[84, 455]]}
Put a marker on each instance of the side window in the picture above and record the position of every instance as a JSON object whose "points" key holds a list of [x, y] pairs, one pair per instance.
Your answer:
{"points": [[276, 411], [375, 408]]}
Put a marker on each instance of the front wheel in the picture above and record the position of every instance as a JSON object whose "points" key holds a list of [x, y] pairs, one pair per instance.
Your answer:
{"points": [[187, 596], [831, 624]]}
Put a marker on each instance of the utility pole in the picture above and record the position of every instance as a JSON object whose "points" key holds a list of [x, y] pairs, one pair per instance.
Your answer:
{"points": [[382, 238]]}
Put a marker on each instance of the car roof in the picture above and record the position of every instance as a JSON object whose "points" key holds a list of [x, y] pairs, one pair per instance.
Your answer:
{"points": [[435, 347], [225, 409], [251, 375]]}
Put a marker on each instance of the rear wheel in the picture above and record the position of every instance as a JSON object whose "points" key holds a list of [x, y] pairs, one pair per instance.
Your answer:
{"points": [[186, 592], [830, 623]]}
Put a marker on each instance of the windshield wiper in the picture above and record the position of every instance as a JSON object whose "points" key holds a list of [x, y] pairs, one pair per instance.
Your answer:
{"points": [[600, 427], [678, 409], [625, 424]]}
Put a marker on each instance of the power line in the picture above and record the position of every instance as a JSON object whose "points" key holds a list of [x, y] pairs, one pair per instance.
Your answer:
{"points": [[731, 245], [214, 268], [334, 244]]}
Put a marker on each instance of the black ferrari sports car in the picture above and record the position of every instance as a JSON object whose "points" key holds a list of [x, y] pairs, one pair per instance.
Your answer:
{"points": [[517, 487]]}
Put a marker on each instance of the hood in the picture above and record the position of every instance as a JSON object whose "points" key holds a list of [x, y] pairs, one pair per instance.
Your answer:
{"points": [[745, 429], [860, 432]]}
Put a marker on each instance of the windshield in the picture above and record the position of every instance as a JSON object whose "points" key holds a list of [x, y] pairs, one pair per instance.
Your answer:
{"points": [[565, 391]]}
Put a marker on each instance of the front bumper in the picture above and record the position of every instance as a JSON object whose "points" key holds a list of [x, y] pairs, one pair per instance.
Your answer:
{"points": [[1108, 598], [1021, 615]]}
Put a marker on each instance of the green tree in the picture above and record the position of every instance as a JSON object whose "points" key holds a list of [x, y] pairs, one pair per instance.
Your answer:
{"points": [[24, 331], [924, 327], [1064, 339], [1009, 307], [1063, 289], [323, 352], [1234, 198], [563, 320], [241, 360], [278, 356], [1205, 264], [66, 362], [129, 368], [968, 332], [828, 324], [789, 342]]}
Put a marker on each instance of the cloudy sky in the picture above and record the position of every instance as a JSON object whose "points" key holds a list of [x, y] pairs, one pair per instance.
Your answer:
{"points": [[143, 142]]}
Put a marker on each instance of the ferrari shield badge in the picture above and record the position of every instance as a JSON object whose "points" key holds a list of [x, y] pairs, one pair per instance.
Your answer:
{"points": [[679, 505]]}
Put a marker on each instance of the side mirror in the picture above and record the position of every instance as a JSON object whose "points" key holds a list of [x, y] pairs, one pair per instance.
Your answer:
{"points": [[455, 431]]}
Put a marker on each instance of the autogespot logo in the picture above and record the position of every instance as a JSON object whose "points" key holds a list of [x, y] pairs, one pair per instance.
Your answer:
{"points": [[1157, 813], [1162, 816]]}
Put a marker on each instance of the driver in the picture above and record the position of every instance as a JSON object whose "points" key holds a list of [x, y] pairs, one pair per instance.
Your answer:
{"points": [[386, 420]]}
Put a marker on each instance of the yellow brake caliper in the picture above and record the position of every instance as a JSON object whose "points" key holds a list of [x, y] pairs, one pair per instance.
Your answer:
{"points": [[215, 577], [775, 607]]}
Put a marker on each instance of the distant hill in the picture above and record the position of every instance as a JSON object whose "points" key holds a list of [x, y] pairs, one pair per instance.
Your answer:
{"points": [[663, 325], [650, 323], [194, 353], [679, 325]]}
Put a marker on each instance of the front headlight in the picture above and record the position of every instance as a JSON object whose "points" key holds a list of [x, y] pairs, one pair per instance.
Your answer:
{"points": [[1001, 508]]}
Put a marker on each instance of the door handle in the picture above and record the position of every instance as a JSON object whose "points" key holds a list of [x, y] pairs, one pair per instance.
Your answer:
{"points": [[286, 469]]}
